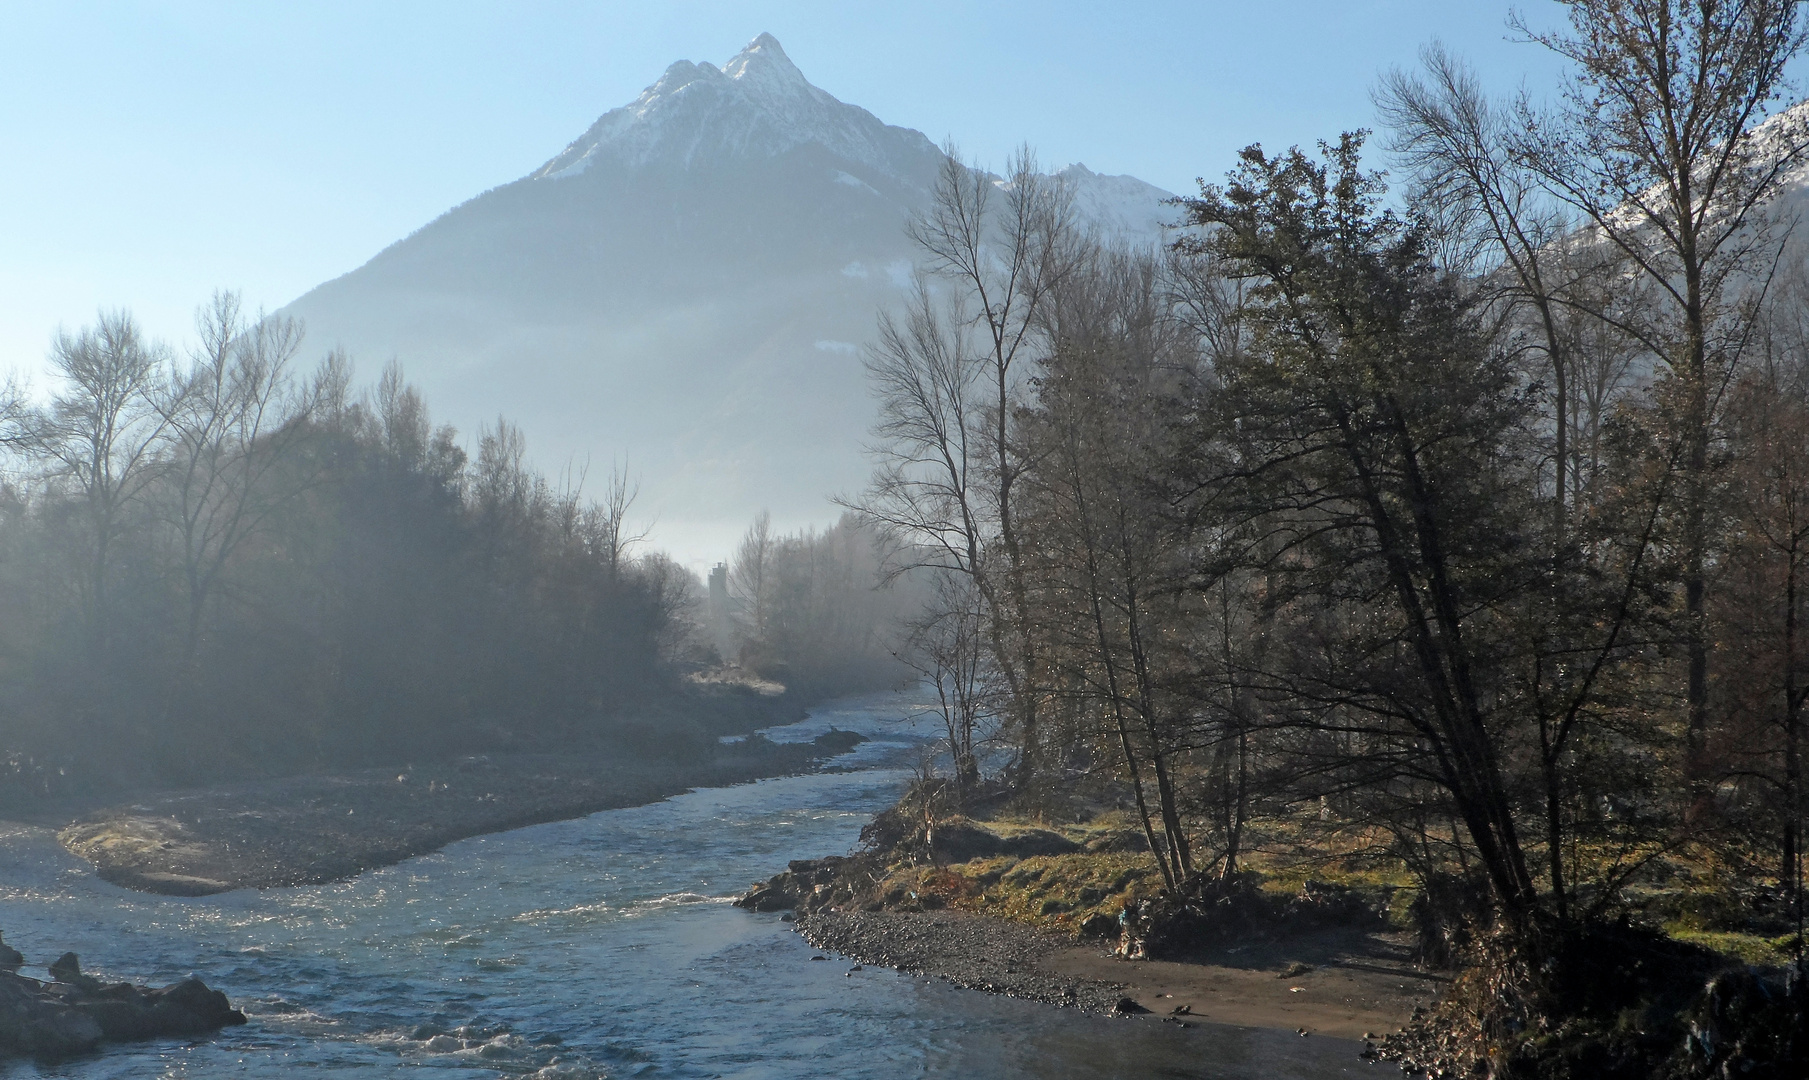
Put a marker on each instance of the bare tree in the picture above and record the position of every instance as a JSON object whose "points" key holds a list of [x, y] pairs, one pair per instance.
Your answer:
{"points": [[102, 434], [949, 378], [1658, 145], [16, 417], [232, 419], [1769, 415], [610, 519], [751, 578], [947, 647]]}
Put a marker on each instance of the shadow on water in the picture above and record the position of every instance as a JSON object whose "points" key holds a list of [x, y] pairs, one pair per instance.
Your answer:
{"points": [[599, 946]]}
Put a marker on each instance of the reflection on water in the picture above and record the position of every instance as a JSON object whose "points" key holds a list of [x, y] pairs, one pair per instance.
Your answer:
{"points": [[602, 946]]}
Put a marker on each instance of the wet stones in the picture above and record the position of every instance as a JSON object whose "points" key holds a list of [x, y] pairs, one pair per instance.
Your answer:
{"points": [[803, 883], [67, 968], [75, 1013], [837, 741]]}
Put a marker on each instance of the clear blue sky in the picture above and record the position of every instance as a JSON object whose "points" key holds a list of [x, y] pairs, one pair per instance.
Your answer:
{"points": [[156, 151]]}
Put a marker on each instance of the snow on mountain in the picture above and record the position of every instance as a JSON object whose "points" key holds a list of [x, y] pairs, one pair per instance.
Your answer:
{"points": [[686, 285], [757, 105], [1122, 206]]}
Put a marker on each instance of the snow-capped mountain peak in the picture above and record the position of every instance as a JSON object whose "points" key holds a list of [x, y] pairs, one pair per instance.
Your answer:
{"points": [[757, 105], [690, 281], [1123, 206], [763, 68]]}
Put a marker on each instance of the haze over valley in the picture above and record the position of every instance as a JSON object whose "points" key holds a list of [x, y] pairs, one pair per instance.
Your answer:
{"points": [[688, 287], [752, 591]]}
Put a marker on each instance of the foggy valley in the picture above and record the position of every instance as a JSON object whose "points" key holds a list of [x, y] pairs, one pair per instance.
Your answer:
{"points": [[765, 592]]}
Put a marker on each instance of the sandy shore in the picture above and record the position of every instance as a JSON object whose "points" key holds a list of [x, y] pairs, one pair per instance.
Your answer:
{"points": [[312, 829], [1359, 984]]}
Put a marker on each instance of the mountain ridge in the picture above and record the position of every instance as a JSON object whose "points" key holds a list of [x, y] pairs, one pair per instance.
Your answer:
{"points": [[687, 284]]}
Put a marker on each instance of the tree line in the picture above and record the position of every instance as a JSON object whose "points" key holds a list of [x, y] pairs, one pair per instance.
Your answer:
{"points": [[814, 610], [1460, 524], [218, 564]]}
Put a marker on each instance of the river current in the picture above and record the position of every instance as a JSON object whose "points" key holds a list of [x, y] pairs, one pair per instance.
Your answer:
{"points": [[599, 947]]}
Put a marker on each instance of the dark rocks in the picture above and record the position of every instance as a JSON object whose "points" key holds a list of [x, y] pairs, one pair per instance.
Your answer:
{"points": [[1127, 1007], [10, 958], [67, 968], [77, 1012], [35, 1023], [802, 882], [768, 898], [1099, 925], [837, 741]]}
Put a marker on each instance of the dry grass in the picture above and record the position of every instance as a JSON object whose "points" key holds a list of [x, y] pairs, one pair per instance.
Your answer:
{"points": [[1060, 891]]}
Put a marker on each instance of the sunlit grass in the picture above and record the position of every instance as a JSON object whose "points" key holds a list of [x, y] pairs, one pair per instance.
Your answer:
{"points": [[1752, 949]]}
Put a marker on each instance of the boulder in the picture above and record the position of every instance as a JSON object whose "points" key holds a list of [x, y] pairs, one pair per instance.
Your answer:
{"points": [[10, 958], [802, 879], [837, 741], [40, 1025], [67, 969], [76, 1013]]}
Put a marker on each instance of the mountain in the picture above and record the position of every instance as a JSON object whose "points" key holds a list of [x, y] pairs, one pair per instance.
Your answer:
{"points": [[687, 286]]}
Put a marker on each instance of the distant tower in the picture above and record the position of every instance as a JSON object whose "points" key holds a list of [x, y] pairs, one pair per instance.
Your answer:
{"points": [[722, 622]]}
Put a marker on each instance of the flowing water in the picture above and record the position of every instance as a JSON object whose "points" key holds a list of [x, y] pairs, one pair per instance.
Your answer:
{"points": [[603, 946]]}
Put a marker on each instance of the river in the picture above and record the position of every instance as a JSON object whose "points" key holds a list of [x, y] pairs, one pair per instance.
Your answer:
{"points": [[602, 946]]}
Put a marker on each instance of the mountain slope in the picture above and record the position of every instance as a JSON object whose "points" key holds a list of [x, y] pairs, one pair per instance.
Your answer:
{"points": [[686, 285]]}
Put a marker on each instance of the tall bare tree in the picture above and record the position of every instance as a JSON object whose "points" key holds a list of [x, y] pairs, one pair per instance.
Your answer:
{"points": [[609, 519], [232, 418], [1658, 145], [101, 434], [752, 578], [949, 377]]}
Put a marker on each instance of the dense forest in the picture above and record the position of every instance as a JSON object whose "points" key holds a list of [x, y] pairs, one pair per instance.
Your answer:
{"points": [[223, 564], [1456, 527]]}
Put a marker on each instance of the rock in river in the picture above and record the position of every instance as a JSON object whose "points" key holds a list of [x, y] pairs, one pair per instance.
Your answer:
{"points": [[75, 1013]]}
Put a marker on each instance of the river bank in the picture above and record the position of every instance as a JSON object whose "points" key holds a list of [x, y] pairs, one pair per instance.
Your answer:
{"points": [[1342, 983], [595, 947], [318, 828], [1027, 910], [308, 830]]}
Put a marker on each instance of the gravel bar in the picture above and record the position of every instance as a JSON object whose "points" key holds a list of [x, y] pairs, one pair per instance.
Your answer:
{"points": [[971, 951]]}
